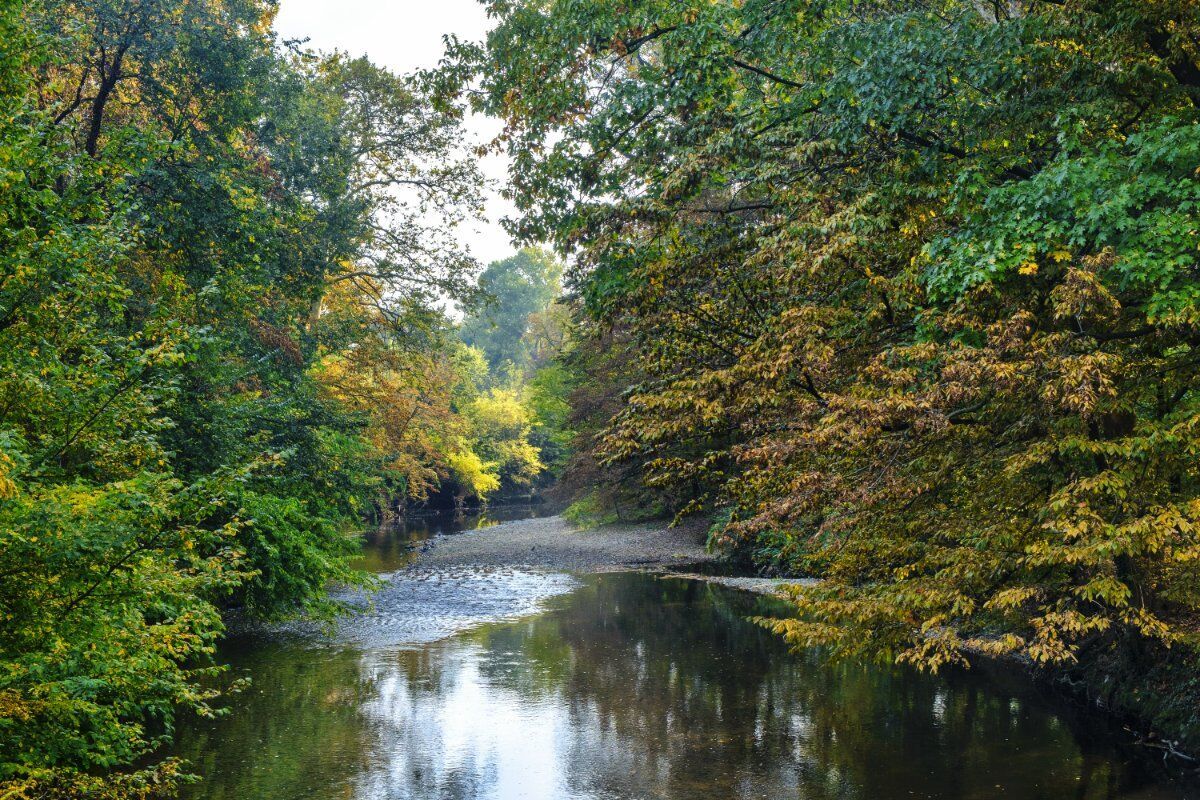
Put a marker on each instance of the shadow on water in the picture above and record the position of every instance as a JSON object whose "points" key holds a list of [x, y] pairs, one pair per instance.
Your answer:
{"points": [[632, 686]]}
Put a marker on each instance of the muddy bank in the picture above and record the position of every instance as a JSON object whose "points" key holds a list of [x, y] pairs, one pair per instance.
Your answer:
{"points": [[771, 586]]}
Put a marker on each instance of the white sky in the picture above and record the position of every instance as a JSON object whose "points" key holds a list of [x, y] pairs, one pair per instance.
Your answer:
{"points": [[405, 35]]}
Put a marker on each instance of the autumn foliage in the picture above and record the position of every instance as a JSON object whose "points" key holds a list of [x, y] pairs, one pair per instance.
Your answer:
{"points": [[221, 351], [909, 291]]}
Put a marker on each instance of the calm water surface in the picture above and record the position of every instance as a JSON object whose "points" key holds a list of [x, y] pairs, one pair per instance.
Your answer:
{"points": [[395, 546], [512, 684]]}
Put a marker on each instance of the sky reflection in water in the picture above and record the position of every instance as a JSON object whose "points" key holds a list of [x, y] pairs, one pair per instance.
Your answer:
{"points": [[627, 687]]}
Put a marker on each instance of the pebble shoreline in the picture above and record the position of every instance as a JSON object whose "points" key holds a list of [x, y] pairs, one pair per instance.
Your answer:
{"points": [[552, 543]]}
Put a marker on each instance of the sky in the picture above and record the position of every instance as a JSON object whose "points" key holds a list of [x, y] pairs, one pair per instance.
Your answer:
{"points": [[405, 35]]}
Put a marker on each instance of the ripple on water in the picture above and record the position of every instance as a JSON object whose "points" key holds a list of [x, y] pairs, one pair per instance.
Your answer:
{"points": [[422, 605]]}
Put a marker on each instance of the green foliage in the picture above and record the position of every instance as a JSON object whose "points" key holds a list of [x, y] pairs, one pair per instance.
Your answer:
{"points": [[589, 511], [500, 425], [513, 383], [471, 474], [295, 555], [1135, 197], [108, 589], [907, 289], [516, 288], [217, 349], [547, 396]]}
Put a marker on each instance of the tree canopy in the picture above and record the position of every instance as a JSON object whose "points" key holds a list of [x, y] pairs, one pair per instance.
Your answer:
{"points": [[219, 350], [511, 323], [904, 292], [517, 431]]}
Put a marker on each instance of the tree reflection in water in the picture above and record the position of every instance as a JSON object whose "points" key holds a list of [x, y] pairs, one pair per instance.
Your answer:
{"points": [[635, 687]]}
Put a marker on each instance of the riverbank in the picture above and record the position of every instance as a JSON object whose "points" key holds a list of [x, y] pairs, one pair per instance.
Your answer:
{"points": [[553, 543]]}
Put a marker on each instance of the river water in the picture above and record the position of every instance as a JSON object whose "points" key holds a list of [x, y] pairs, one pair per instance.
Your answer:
{"points": [[507, 684]]}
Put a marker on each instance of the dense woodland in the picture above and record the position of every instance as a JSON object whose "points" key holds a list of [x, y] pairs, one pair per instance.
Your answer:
{"points": [[904, 293], [899, 294], [225, 264]]}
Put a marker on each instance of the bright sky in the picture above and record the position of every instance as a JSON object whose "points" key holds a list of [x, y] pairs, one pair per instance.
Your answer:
{"points": [[405, 35]]}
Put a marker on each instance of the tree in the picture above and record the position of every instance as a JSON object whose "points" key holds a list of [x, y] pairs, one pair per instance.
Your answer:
{"points": [[908, 292], [203, 234], [517, 288]]}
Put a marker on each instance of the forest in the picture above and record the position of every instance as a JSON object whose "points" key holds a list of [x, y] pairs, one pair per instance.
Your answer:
{"points": [[223, 275], [901, 295]]}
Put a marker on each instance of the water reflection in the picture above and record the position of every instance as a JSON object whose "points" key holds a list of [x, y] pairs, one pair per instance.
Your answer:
{"points": [[634, 687], [396, 545]]}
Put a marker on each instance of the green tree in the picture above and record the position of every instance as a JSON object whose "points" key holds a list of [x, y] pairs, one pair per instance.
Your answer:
{"points": [[907, 290], [199, 227], [516, 289]]}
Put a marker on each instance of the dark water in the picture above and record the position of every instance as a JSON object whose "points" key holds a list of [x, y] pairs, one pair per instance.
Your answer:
{"points": [[623, 686], [395, 546]]}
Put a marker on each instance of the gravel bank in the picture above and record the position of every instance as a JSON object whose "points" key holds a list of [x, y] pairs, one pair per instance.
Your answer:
{"points": [[748, 584], [553, 543]]}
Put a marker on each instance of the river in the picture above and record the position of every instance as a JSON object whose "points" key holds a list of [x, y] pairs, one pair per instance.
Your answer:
{"points": [[510, 683]]}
